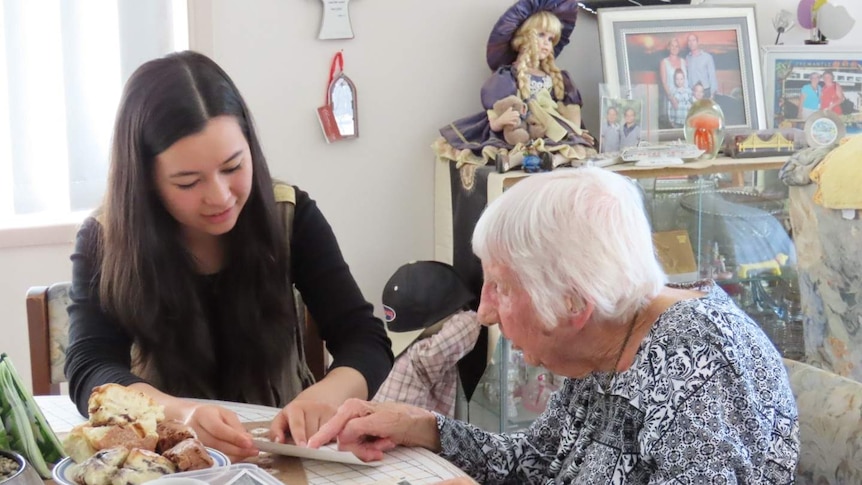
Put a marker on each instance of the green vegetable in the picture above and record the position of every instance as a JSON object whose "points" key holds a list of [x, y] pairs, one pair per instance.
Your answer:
{"points": [[26, 428], [4, 439]]}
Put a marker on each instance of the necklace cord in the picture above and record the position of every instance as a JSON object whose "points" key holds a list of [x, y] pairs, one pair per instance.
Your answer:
{"points": [[613, 372]]}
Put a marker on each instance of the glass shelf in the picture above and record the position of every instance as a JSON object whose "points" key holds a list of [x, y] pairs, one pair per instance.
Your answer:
{"points": [[737, 232]]}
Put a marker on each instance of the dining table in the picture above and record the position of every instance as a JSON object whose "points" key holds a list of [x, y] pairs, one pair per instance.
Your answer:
{"points": [[401, 466]]}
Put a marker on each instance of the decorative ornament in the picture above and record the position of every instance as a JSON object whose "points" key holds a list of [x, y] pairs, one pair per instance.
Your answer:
{"points": [[338, 115], [704, 126], [824, 20], [824, 128], [336, 20], [783, 22]]}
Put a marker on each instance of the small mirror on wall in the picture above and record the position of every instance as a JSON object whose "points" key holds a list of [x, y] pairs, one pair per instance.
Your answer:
{"points": [[342, 98]]}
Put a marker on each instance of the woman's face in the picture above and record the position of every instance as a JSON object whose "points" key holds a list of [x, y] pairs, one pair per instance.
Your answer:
{"points": [[506, 303], [204, 179], [673, 47], [815, 79], [827, 78]]}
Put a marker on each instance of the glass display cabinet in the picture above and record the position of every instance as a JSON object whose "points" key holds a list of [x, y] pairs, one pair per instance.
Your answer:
{"points": [[724, 219]]}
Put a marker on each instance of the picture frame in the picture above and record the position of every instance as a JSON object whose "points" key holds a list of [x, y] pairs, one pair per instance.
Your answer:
{"points": [[636, 45], [788, 69], [615, 115]]}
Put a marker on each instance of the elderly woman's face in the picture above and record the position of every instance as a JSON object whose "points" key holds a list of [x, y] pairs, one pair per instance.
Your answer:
{"points": [[504, 302]]}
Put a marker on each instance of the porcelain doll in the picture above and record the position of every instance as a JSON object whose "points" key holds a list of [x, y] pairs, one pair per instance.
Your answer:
{"points": [[521, 51]]}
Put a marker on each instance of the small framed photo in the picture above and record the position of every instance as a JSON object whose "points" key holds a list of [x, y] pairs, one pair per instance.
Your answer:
{"points": [[708, 51], [621, 124], [806, 80]]}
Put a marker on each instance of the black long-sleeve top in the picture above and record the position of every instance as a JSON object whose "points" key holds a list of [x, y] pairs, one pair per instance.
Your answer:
{"points": [[99, 348]]}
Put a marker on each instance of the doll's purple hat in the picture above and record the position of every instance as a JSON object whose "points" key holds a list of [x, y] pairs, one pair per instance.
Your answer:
{"points": [[500, 52]]}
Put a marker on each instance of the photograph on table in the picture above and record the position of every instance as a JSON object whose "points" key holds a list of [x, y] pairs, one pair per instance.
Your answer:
{"points": [[804, 80], [621, 124], [688, 53]]}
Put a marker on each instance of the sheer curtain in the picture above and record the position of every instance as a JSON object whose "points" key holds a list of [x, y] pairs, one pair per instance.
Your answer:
{"points": [[62, 67]]}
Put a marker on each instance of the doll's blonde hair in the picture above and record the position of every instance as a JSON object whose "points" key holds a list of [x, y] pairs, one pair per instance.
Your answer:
{"points": [[526, 43]]}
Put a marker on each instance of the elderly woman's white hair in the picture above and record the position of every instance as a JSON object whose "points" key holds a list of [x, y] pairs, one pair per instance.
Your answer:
{"points": [[572, 236]]}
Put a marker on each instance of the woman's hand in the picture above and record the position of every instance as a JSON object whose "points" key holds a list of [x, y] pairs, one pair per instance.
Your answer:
{"points": [[302, 418], [317, 404], [215, 426], [220, 429], [367, 429], [509, 118]]}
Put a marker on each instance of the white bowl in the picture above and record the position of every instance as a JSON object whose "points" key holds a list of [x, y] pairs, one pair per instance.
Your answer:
{"points": [[63, 471]]}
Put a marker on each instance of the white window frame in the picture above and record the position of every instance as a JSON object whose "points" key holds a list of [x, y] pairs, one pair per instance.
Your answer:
{"points": [[192, 21]]}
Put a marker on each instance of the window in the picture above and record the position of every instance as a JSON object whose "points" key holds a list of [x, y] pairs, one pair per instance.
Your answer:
{"points": [[62, 68]]}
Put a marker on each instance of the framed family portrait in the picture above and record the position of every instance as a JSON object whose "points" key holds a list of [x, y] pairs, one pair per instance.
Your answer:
{"points": [[689, 53], [804, 81]]}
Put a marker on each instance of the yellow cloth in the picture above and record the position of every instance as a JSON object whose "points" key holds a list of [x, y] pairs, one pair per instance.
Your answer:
{"points": [[839, 176], [284, 193]]}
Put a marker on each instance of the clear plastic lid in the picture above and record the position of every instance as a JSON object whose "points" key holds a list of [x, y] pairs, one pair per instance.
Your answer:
{"points": [[239, 474]]}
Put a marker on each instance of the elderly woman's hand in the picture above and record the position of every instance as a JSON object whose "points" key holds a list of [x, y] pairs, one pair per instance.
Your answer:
{"points": [[367, 429]]}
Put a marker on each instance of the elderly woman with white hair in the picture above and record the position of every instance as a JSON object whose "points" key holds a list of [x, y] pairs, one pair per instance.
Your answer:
{"points": [[665, 383]]}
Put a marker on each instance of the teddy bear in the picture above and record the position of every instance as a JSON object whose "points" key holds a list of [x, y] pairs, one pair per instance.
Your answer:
{"points": [[513, 134]]}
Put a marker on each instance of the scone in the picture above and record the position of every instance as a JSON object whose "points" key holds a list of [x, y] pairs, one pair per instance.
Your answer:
{"points": [[172, 432], [77, 446], [189, 454], [142, 466], [100, 468], [130, 435], [113, 404]]}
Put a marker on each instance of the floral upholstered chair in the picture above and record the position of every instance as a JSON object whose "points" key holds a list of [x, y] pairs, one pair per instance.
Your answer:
{"points": [[830, 425], [48, 325]]}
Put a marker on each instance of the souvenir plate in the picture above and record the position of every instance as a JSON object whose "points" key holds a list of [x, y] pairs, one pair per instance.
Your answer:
{"points": [[823, 128], [63, 470]]}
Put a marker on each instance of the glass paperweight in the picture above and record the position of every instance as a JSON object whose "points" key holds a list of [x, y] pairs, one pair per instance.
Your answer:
{"points": [[704, 127]]}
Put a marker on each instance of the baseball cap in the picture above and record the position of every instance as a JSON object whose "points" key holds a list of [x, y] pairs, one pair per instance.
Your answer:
{"points": [[418, 295]]}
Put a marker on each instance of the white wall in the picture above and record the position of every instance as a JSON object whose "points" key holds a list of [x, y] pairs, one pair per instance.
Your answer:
{"points": [[417, 65]]}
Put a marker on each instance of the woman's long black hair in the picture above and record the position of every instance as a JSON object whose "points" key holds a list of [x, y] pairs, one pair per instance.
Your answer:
{"points": [[236, 348]]}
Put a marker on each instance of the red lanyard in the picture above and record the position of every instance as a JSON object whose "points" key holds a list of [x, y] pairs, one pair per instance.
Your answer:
{"points": [[338, 60]]}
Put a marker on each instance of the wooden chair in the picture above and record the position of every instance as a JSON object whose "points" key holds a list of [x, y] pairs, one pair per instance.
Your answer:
{"points": [[48, 327]]}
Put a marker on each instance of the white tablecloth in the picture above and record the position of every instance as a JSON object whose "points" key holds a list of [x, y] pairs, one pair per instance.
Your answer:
{"points": [[411, 466]]}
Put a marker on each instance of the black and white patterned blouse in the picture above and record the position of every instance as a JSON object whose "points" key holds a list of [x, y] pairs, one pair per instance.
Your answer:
{"points": [[707, 400]]}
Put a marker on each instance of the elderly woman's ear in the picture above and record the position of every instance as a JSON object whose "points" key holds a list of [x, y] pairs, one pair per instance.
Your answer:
{"points": [[578, 313]]}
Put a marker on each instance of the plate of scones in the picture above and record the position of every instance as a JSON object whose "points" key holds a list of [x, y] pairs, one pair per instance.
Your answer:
{"points": [[128, 441]]}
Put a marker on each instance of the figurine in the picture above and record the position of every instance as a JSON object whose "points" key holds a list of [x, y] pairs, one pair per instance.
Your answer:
{"points": [[520, 52], [513, 133], [704, 126]]}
